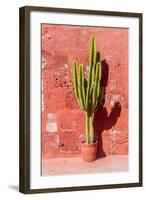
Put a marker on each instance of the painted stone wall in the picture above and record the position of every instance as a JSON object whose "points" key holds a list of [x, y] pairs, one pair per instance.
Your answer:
{"points": [[63, 123]]}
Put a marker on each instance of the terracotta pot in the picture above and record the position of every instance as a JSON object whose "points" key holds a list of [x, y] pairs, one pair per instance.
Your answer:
{"points": [[89, 151]]}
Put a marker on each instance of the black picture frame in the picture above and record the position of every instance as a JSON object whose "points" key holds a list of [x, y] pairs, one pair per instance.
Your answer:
{"points": [[24, 77]]}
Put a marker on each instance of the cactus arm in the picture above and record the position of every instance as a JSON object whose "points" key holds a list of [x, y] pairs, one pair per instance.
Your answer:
{"points": [[96, 90], [93, 99], [100, 98], [76, 83], [75, 78], [94, 93], [92, 52], [92, 61], [82, 86], [100, 90], [88, 87], [99, 70]]}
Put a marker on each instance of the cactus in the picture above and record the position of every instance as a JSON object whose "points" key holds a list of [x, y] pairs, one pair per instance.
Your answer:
{"points": [[90, 95]]}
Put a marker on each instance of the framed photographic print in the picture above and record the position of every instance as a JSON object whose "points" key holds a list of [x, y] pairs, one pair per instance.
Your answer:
{"points": [[80, 99]]}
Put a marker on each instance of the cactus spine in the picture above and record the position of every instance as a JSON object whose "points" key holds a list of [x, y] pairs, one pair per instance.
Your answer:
{"points": [[89, 96]]}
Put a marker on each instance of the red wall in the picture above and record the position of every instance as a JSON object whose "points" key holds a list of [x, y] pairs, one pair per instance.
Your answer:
{"points": [[63, 123]]}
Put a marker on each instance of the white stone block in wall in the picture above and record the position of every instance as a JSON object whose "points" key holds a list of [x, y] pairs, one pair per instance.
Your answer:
{"points": [[51, 125]]}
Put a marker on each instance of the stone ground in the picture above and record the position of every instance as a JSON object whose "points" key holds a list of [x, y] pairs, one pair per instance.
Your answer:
{"points": [[64, 166]]}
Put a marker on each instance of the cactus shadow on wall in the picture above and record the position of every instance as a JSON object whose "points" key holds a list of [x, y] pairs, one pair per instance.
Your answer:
{"points": [[102, 119]]}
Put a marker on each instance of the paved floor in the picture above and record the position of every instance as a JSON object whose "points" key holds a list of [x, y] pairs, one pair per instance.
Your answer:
{"points": [[62, 166]]}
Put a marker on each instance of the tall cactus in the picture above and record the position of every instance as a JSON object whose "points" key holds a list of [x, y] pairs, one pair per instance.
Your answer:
{"points": [[89, 96]]}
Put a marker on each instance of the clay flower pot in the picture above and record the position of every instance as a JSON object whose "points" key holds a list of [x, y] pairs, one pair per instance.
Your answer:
{"points": [[89, 151]]}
